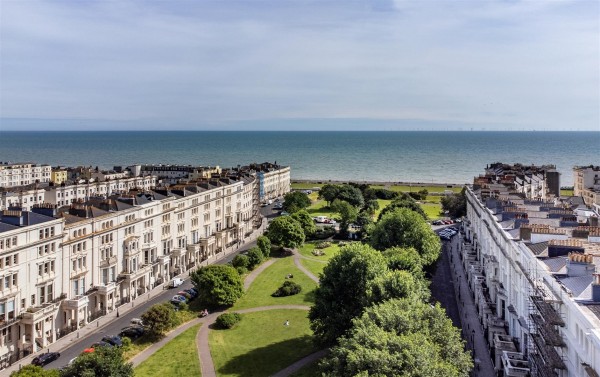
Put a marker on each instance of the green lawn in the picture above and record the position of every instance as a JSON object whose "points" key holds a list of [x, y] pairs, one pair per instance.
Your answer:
{"points": [[316, 267], [382, 204], [179, 357], [259, 293], [305, 186], [432, 210], [405, 188], [319, 208], [260, 344], [308, 247], [566, 192]]}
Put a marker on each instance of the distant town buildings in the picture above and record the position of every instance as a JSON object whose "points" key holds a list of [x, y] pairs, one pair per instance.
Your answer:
{"points": [[587, 184], [532, 260], [74, 251], [20, 174]]}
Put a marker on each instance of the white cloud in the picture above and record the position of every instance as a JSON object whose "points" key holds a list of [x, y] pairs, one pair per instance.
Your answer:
{"points": [[531, 64]]}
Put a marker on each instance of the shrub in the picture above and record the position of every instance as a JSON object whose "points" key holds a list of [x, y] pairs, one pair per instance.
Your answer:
{"points": [[323, 232], [264, 244], [323, 245], [240, 261], [289, 288], [126, 342], [255, 257], [241, 270], [228, 320], [318, 253]]}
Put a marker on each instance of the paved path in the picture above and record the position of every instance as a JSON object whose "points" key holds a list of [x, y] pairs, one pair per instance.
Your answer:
{"points": [[298, 264], [300, 364], [254, 274]]}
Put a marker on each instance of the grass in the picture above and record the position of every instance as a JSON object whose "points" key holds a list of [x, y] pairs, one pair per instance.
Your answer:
{"points": [[382, 204], [307, 248], [566, 192], [405, 188], [319, 208], [305, 186], [310, 370], [259, 293], [179, 357], [432, 210], [316, 267], [260, 344]]}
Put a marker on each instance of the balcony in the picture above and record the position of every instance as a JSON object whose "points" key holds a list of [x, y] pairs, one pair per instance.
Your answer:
{"points": [[105, 289], [178, 252], [33, 315], [77, 302], [9, 292], [546, 330], [144, 269], [547, 311], [515, 364], [108, 261], [548, 353], [78, 273]]}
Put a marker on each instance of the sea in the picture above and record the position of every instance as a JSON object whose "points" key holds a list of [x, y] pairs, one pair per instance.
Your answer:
{"points": [[400, 156]]}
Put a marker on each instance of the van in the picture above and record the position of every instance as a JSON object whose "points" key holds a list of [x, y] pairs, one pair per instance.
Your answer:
{"points": [[176, 282], [321, 219]]}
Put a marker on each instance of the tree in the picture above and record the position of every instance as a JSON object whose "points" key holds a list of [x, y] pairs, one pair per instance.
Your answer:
{"points": [[306, 222], [35, 371], [404, 258], [328, 193], [285, 231], [342, 293], [218, 285], [455, 204], [400, 338], [103, 362], [160, 318], [371, 206], [404, 201], [347, 212], [351, 195], [405, 228], [264, 245], [255, 257], [240, 260], [295, 201]]}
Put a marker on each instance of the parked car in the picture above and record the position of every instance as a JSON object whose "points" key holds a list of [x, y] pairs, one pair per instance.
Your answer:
{"points": [[45, 358], [137, 321], [179, 298], [193, 291], [278, 206], [176, 303], [284, 213], [113, 340], [176, 282], [101, 344], [320, 219], [193, 294], [185, 294], [132, 332]]}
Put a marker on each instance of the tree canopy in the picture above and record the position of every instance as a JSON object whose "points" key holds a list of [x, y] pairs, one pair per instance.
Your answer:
{"points": [[403, 201], [264, 244], [354, 278], [103, 362], [295, 201], [306, 222], [405, 228], [218, 285], [35, 371], [159, 318], [328, 193], [400, 337], [455, 204], [285, 231]]}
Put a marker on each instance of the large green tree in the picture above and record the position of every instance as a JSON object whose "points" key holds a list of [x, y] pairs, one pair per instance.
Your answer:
{"points": [[306, 222], [403, 201], [264, 244], [328, 193], [218, 285], [160, 318], [355, 278], [406, 228], [351, 194], [402, 337], [348, 214], [455, 204], [285, 231], [35, 371], [103, 362], [295, 201]]}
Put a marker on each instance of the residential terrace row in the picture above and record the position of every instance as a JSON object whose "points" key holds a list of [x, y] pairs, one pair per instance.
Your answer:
{"points": [[532, 258], [62, 266]]}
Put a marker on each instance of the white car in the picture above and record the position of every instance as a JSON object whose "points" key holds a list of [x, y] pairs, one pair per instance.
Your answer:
{"points": [[321, 219]]}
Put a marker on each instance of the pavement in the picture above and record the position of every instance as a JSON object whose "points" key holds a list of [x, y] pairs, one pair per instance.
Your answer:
{"points": [[71, 345]]}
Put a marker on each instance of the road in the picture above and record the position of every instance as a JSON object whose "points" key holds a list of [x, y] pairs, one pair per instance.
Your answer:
{"points": [[115, 326]]}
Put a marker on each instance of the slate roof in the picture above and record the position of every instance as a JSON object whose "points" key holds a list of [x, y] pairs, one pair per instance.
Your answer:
{"points": [[538, 248], [556, 264]]}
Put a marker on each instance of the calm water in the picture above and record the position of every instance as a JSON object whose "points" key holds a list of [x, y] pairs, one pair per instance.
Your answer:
{"points": [[444, 157]]}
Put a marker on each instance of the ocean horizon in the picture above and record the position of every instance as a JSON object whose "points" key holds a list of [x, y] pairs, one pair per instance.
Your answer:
{"points": [[391, 156]]}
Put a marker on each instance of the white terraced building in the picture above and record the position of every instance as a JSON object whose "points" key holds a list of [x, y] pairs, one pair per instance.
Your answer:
{"points": [[63, 267], [20, 174], [533, 269]]}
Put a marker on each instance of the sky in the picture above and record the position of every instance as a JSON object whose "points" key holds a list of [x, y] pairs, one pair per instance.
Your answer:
{"points": [[300, 65]]}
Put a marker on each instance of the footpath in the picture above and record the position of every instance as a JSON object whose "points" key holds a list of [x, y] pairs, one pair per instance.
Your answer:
{"points": [[98, 324]]}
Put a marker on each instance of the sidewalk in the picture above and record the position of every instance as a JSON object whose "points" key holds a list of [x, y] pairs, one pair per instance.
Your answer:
{"points": [[471, 327], [98, 324]]}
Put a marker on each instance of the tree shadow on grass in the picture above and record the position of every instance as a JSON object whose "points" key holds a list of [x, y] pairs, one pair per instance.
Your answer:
{"points": [[265, 361]]}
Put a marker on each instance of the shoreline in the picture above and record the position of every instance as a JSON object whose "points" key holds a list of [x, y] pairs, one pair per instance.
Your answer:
{"points": [[380, 183]]}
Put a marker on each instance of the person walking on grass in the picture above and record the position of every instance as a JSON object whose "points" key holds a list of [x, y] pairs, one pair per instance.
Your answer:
{"points": [[287, 322]]}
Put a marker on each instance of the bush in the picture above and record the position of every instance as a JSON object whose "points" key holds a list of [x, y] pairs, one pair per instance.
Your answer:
{"points": [[255, 257], [289, 288], [241, 270], [264, 244], [217, 285], [240, 261], [160, 318], [126, 342], [228, 320], [323, 232], [323, 245]]}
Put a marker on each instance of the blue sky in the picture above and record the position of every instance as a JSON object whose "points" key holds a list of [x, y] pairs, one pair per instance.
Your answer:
{"points": [[391, 65]]}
